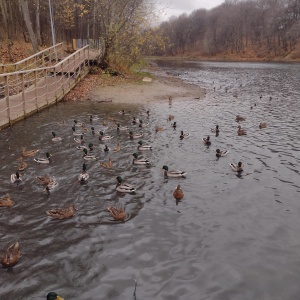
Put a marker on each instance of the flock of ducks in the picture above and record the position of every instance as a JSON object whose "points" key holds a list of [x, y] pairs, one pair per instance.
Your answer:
{"points": [[12, 254]]}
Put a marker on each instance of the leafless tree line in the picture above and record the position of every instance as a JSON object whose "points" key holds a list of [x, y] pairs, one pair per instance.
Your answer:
{"points": [[117, 23], [272, 25]]}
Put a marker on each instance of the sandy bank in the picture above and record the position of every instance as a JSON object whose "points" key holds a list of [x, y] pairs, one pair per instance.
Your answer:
{"points": [[161, 88]]}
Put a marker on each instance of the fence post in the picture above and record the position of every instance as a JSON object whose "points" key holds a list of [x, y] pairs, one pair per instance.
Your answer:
{"points": [[35, 90], [89, 57], [46, 83], [6, 95], [23, 94]]}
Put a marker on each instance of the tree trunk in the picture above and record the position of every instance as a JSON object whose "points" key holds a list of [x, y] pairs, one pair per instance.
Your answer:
{"points": [[37, 20], [25, 10]]}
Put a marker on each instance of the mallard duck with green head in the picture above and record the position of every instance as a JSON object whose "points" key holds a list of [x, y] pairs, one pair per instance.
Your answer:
{"points": [[140, 161], [143, 147], [124, 187], [46, 160], [173, 173], [53, 296]]}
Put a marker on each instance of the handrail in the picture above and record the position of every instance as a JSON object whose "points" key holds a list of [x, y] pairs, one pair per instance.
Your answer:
{"points": [[44, 68], [32, 56]]}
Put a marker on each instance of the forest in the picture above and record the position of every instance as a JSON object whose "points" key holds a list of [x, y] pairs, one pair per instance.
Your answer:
{"points": [[259, 29], [129, 29]]}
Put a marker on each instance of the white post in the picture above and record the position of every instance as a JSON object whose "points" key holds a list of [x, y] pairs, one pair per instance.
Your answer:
{"points": [[6, 94]]}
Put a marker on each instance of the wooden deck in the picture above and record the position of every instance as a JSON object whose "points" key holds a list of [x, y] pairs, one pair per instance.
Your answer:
{"points": [[29, 91]]}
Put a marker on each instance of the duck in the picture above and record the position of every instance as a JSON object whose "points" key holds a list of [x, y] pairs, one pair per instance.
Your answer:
{"points": [[178, 193], [15, 178], [81, 147], [134, 120], [29, 153], [241, 131], [143, 124], [174, 125], [174, 173], [215, 130], [124, 188], [142, 147], [53, 296], [22, 165], [91, 147], [237, 168], [11, 256], [6, 201], [56, 138], [207, 141], [103, 137], [46, 160], [105, 148], [140, 161], [122, 112], [62, 213], [84, 176], [171, 117], [158, 128], [76, 132], [184, 135], [107, 164], [50, 186], [80, 141], [135, 135], [94, 131], [44, 180], [88, 156], [78, 124], [117, 148], [121, 128], [263, 125], [117, 213], [220, 153], [93, 118], [239, 118]]}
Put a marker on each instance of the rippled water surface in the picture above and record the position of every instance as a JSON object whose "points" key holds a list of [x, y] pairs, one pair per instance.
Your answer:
{"points": [[229, 238]]}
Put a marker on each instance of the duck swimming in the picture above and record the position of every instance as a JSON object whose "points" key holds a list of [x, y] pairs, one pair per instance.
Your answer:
{"points": [[15, 178], [215, 130], [207, 141], [121, 128], [141, 125], [184, 135], [263, 125], [11, 256], [22, 165], [140, 161], [117, 213], [174, 125], [84, 176], [241, 131], [107, 164], [6, 201], [220, 153], [88, 156], [62, 213], [237, 168], [239, 118], [55, 138], [124, 188], [174, 173], [46, 160], [103, 137], [117, 148], [29, 153], [178, 193], [105, 149], [142, 147], [44, 180], [53, 296], [93, 118], [135, 135]]}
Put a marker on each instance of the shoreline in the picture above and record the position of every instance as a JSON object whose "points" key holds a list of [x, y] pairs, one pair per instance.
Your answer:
{"points": [[134, 91]]}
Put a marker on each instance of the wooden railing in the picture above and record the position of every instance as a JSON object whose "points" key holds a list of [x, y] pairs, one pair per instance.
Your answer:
{"points": [[27, 91], [41, 59]]}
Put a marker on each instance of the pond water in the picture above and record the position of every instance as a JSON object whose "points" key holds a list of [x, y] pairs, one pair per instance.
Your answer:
{"points": [[231, 237]]}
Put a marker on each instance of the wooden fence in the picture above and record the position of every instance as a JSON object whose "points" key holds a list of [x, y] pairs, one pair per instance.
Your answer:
{"points": [[25, 92]]}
